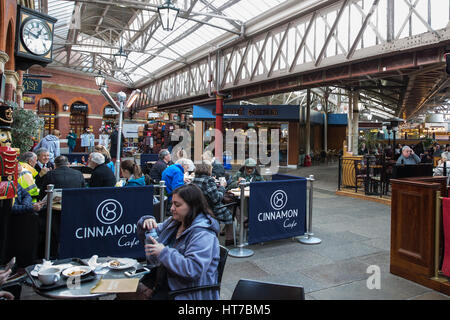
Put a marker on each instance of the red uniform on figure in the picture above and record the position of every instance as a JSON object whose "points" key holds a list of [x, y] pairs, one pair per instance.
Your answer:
{"points": [[8, 156], [8, 172]]}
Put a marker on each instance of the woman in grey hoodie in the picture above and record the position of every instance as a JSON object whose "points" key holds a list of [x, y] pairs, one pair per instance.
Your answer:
{"points": [[187, 246]]}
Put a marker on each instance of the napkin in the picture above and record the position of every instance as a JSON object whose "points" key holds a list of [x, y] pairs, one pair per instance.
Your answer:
{"points": [[116, 286]]}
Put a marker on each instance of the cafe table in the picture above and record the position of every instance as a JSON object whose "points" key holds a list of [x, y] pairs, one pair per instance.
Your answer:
{"points": [[83, 289]]}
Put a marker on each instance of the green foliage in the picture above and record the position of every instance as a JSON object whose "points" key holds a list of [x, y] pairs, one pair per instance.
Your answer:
{"points": [[370, 139], [427, 142], [26, 125]]}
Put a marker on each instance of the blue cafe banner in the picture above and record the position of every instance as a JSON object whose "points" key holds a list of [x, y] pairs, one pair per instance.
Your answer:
{"points": [[277, 210], [32, 86], [103, 221]]}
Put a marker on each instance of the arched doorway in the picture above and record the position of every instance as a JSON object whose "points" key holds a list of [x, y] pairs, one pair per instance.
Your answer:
{"points": [[47, 109], [78, 116]]}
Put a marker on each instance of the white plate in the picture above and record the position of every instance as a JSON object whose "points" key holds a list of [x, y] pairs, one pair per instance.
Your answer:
{"points": [[125, 263], [61, 267], [77, 269]]}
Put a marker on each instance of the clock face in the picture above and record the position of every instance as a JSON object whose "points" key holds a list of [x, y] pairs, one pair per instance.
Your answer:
{"points": [[37, 37]]}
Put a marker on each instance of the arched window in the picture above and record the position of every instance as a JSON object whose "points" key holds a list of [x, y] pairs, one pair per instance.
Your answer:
{"points": [[47, 110], [78, 112]]}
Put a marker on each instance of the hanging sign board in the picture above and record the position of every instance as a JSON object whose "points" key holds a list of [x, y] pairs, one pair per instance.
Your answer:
{"points": [[32, 86]]}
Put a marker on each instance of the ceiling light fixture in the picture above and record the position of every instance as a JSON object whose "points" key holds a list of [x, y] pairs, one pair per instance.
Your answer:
{"points": [[120, 58], [168, 15]]}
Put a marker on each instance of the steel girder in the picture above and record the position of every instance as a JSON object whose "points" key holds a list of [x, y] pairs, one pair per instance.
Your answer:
{"points": [[338, 44]]}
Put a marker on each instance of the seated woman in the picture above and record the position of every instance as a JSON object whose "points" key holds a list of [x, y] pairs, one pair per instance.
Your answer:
{"points": [[100, 148], [131, 171], [214, 195], [187, 247], [439, 170]]}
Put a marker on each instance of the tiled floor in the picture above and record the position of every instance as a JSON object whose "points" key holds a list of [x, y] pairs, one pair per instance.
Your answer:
{"points": [[355, 235]]}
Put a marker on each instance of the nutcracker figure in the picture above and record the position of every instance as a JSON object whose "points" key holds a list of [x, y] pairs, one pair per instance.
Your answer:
{"points": [[8, 174]]}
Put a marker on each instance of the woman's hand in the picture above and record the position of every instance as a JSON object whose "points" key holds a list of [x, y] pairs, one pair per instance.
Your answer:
{"points": [[150, 224], [4, 275], [6, 295], [154, 249]]}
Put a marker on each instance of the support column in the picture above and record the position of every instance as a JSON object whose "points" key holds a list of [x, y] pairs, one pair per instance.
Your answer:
{"points": [[325, 124], [4, 58], [12, 79], [355, 125], [308, 122], [218, 135], [349, 121], [198, 141]]}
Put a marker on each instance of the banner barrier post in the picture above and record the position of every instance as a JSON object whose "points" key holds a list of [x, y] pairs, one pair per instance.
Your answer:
{"points": [[308, 237], [48, 228], [240, 251], [162, 213]]}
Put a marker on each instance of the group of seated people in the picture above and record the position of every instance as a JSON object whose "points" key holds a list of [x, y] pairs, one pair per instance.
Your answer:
{"points": [[188, 246]]}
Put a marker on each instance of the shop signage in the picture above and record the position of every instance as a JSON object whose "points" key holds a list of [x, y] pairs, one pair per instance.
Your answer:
{"points": [[277, 209], [32, 86], [108, 224], [252, 112], [28, 99], [153, 115], [110, 111], [79, 107]]}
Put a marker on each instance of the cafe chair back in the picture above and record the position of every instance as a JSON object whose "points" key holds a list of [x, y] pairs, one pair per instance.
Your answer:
{"points": [[258, 290], [220, 268]]}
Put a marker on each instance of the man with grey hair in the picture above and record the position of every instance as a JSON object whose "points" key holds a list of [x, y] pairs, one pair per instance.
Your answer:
{"points": [[43, 161], [102, 176], [408, 156], [161, 165], [174, 174], [62, 177]]}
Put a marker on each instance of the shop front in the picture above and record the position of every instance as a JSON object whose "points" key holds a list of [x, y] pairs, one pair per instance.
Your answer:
{"points": [[243, 122]]}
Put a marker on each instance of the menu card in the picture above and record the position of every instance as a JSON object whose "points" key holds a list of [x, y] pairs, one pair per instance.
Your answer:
{"points": [[123, 285]]}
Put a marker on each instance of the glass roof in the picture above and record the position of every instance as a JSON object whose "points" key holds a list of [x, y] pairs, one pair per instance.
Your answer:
{"points": [[91, 32]]}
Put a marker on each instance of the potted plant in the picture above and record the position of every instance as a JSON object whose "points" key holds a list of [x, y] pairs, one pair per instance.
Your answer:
{"points": [[25, 126]]}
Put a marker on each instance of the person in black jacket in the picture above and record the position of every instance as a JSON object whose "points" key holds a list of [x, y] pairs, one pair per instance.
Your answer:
{"points": [[113, 144], [62, 177], [101, 176], [161, 165]]}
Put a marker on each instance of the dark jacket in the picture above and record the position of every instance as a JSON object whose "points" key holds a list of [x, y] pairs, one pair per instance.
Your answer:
{"points": [[102, 176], [63, 178], [23, 202], [193, 259], [218, 170], [254, 177], [157, 170], [113, 149]]}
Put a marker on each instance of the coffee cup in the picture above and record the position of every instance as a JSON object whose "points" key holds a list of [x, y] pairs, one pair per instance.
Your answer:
{"points": [[49, 276]]}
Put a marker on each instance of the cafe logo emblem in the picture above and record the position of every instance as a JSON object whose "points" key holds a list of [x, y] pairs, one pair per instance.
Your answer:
{"points": [[278, 200], [109, 211]]}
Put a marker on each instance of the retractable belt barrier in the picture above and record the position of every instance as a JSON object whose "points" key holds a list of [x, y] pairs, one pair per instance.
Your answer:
{"points": [[101, 221], [277, 210]]}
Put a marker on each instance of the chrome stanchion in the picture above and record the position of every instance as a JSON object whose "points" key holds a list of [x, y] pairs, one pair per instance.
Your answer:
{"points": [[308, 237], [162, 212], [48, 229], [240, 251]]}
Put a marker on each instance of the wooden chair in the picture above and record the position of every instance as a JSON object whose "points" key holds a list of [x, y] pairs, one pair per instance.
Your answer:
{"points": [[360, 173], [259, 290]]}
